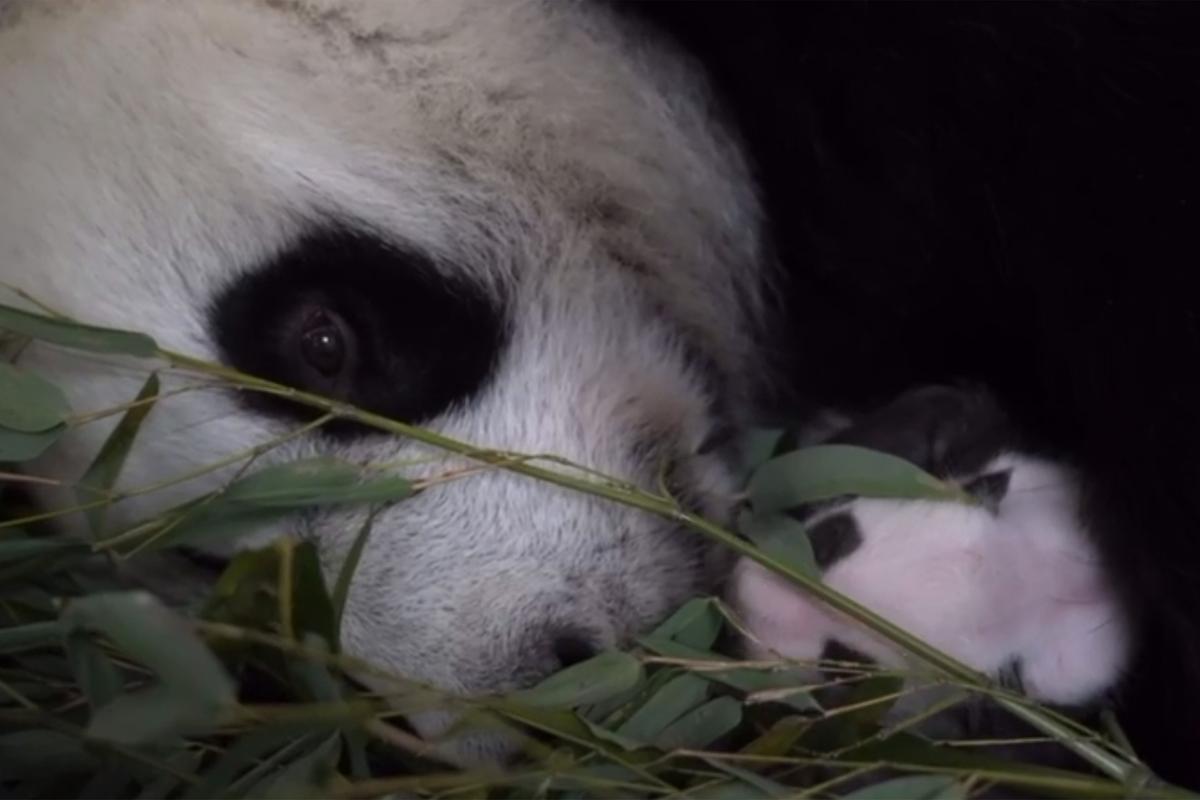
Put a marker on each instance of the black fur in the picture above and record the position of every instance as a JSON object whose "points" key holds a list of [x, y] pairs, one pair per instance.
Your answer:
{"points": [[833, 538], [1006, 193], [949, 432], [421, 342]]}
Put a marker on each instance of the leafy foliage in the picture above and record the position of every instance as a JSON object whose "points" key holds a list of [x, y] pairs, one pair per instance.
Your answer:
{"points": [[108, 692]]}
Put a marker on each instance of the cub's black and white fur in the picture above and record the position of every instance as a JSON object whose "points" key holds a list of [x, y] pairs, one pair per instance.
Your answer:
{"points": [[511, 222], [569, 227], [1012, 586]]}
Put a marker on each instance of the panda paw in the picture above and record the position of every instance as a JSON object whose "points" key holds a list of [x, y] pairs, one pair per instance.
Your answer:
{"points": [[1012, 586]]}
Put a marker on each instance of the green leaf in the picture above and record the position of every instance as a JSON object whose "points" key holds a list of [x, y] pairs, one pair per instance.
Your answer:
{"points": [[194, 688], [75, 335], [151, 715], [701, 726], [873, 698], [833, 470], [757, 446], [19, 549], [312, 610], [208, 521], [311, 678], [273, 493], [743, 679], [613, 711], [781, 537], [28, 402], [916, 751], [244, 593], [94, 672], [912, 787], [306, 777], [109, 781], [591, 681], [768, 787], [28, 637], [312, 482], [33, 752], [101, 476], [671, 702], [696, 624], [282, 741], [341, 587], [604, 734], [17, 446], [729, 790], [165, 783], [779, 738], [354, 742]]}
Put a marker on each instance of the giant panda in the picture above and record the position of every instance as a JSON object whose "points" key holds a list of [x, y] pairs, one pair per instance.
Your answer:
{"points": [[616, 232]]}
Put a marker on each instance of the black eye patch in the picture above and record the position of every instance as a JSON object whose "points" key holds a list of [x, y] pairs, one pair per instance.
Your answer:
{"points": [[990, 489], [348, 315], [834, 538]]}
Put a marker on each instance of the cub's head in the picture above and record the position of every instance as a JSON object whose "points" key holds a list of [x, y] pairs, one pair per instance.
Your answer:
{"points": [[513, 222]]}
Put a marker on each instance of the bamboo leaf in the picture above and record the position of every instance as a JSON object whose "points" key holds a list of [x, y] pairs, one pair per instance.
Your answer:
{"points": [[194, 688], [671, 702], [833, 470], [779, 738], [94, 672], [743, 679], [39, 752], [18, 446], [912, 787], [591, 681], [76, 335], [312, 609], [150, 715], [701, 726], [28, 402], [697, 624], [341, 587], [781, 537], [312, 482], [766, 786], [272, 494], [101, 476], [306, 777], [30, 636], [19, 549], [241, 756], [757, 446]]}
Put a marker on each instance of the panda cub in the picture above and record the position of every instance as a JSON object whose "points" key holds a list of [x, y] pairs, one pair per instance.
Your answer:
{"points": [[1011, 586]]}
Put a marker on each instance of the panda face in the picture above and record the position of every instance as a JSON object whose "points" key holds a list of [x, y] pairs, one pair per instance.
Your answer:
{"points": [[496, 219]]}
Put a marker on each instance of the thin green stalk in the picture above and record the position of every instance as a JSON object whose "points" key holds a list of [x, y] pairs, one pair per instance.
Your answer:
{"points": [[1103, 760]]}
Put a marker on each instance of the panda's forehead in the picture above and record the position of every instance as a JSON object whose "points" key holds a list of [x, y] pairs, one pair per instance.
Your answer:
{"points": [[183, 125]]}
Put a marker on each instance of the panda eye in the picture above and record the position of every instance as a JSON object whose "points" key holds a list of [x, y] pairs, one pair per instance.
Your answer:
{"points": [[344, 314], [325, 341]]}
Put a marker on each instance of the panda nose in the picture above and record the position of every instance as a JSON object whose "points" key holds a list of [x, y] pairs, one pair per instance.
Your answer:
{"points": [[573, 647], [547, 649]]}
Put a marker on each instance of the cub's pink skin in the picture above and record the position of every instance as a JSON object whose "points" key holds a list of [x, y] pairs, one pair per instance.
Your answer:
{"points": [[1018, 585]]}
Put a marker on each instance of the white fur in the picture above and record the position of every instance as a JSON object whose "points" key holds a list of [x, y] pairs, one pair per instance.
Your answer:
{"points": [[1023, 583], [150, 151]]}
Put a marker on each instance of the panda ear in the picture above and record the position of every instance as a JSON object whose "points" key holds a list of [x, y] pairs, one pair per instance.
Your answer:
{"points": [[989, 489]]}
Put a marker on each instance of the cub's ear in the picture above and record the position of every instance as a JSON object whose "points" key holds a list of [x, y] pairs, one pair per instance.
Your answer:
{"points": [[942, 429], [990, 489]]}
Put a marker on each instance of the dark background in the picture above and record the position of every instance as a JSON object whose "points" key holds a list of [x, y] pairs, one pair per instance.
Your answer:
{"points": [[1004, 193]]}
